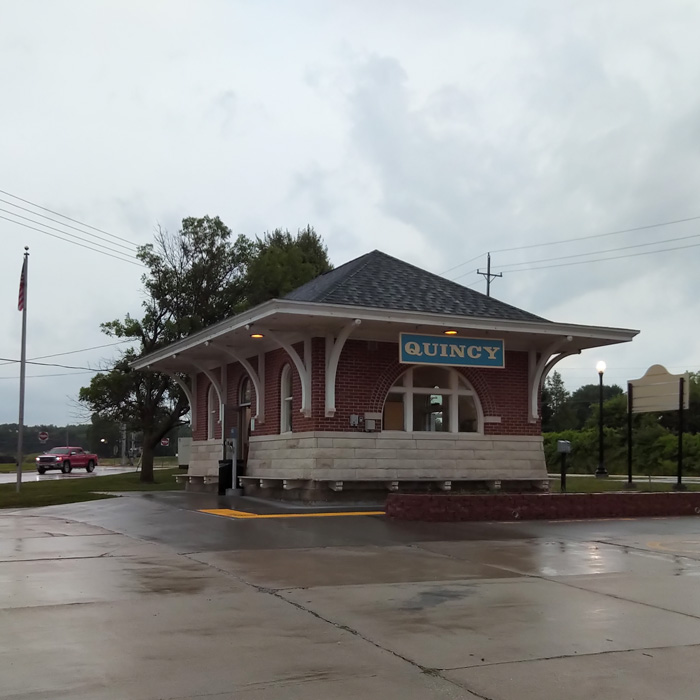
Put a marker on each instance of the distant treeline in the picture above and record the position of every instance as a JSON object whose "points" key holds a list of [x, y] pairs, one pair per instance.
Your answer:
{"points": [[576, 417], [102, 438]]}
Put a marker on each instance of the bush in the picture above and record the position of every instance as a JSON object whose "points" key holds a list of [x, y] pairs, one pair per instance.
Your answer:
{"points": [[654, 451]]}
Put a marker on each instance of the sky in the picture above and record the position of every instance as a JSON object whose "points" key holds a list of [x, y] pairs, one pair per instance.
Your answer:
{"points": [[433, 131]]}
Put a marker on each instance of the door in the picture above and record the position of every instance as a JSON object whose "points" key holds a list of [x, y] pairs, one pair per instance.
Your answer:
{"points": [[244, 416]]}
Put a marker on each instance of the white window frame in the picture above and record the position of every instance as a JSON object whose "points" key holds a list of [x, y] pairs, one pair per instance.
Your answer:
{"points": [[212, 413], [245, 381], [458, 386], [286, 400]]}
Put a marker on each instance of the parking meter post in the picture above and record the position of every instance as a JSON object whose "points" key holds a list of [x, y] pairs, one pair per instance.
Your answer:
{"points": [[563, 448], [563, 472]]}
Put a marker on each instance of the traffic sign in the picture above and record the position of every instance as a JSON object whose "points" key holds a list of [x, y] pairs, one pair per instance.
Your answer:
{"points": [[165, 442], [43, 437]]}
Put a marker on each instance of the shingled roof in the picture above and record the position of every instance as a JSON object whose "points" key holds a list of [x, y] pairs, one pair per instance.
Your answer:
{"points": [[377, 280]]}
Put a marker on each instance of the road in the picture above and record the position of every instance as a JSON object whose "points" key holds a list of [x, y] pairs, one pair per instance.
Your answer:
{"points": [[31, 474], [146, 597]]}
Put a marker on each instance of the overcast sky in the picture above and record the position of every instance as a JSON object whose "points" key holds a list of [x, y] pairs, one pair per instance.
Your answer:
{"points": [[434, 131]]}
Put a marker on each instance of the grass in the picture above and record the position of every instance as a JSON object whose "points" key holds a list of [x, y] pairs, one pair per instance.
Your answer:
{"points": [[589, 485], [56, 491]]}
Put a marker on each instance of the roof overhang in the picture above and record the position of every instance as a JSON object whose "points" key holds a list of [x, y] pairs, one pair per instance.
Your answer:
{"points": [[299, 320]]}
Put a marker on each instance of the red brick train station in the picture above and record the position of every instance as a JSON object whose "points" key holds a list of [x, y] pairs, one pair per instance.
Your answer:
{"points": [[376, 376]]}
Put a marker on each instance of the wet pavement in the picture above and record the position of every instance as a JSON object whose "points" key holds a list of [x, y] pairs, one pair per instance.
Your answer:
{"points": [[144, 597], [32, 475]]}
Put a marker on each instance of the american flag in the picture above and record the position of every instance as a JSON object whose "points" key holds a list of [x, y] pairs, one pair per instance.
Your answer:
{"points": [[22, 286]]}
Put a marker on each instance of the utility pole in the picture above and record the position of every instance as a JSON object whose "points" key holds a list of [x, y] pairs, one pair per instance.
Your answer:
{"points": [[123, 460], [489, 275]]}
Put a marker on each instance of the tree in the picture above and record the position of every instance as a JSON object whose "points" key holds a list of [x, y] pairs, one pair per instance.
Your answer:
{"points": [[194, 279], [614, 413], [691, 418], [280, 263], [103, 436], [585, 397], [556, 412]]}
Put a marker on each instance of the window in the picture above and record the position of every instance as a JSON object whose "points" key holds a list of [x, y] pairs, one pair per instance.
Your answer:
{"points": [[286, 400], [212, 412], [432, 399], [244, 393]]}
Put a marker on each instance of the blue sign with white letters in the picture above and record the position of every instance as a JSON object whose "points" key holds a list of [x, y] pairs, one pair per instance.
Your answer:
{"points": [[452, 351]]}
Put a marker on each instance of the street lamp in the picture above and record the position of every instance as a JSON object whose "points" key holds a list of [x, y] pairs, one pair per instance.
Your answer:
{"points": [[600, 472]]}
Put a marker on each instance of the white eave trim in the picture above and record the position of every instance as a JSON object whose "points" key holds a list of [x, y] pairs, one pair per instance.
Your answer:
{"points": [[341, 312]]}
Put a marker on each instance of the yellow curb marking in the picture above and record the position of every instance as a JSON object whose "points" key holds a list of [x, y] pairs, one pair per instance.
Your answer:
{"points": [[240, 514]]}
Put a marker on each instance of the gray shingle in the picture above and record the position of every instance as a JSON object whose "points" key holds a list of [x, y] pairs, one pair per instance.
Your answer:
{"points": [[377, 280]]}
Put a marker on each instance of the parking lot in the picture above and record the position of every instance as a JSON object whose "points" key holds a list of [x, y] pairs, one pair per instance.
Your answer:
{"points": [[147, 597]]}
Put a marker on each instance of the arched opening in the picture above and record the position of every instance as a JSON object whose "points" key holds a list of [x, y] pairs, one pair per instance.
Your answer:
{"points": [[432, 399], [286, 400]]}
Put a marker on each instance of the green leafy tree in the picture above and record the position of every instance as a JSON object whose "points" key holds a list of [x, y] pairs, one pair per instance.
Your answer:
{"points": [[281, 262], [103, 436], [584, 398], [556, 411], [193, 279], [614, 413], [691, 418]]}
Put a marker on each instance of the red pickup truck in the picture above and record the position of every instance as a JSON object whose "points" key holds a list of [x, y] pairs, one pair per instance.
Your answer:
{"points": [[66, 459]]}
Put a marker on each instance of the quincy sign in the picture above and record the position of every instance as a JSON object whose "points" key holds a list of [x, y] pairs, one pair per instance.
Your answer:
{"points": [[417, 349]]}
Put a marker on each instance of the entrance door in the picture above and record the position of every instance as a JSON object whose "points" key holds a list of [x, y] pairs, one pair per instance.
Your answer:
{"points": [[244, 415]]}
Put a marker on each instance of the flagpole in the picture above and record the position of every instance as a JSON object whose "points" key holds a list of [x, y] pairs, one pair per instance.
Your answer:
{"points": [[23, 363]]}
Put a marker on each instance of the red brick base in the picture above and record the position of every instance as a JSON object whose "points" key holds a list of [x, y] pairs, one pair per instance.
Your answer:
{"points": [[522, 506]]}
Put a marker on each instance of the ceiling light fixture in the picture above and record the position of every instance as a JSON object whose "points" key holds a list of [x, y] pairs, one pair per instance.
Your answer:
{"points": [[450, 332]]}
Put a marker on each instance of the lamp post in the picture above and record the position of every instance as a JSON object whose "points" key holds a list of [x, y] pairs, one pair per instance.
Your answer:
{"points": [[600, 472]]}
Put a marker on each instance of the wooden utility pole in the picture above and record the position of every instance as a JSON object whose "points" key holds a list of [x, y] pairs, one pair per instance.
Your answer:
{"points": [[489, 275]]}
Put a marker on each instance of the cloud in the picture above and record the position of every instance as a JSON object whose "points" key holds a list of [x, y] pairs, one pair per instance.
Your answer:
{"points": [[435, 132]]}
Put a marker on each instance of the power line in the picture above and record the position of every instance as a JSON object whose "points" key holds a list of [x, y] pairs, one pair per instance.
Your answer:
{"points": [[75, 352], [616, 257], [60, 374], [464, 274], [599, 235], [49, 364], [466, 262], [578, 238], [75, 221], [56, 221], [68, 233], [470, 283], [72, 352], [82, 245], [601, 252]]}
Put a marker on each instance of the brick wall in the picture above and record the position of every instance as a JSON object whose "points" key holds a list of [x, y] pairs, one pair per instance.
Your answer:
{"points": [[202, 401], [366, 372], [459, 508]]}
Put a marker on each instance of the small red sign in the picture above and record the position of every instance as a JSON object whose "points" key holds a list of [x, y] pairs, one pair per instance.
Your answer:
{"points": [[43, 437], [165, 442]]}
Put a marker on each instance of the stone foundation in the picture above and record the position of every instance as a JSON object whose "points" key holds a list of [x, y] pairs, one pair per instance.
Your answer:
{"points": [[365, 466], [204, 457], [397, 456]]}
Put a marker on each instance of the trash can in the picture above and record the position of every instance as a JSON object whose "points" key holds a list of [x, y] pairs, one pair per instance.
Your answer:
{"points": [[225, 475]]}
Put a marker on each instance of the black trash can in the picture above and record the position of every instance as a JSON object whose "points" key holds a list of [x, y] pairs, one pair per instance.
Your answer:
{"points": [[225, 475]]}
